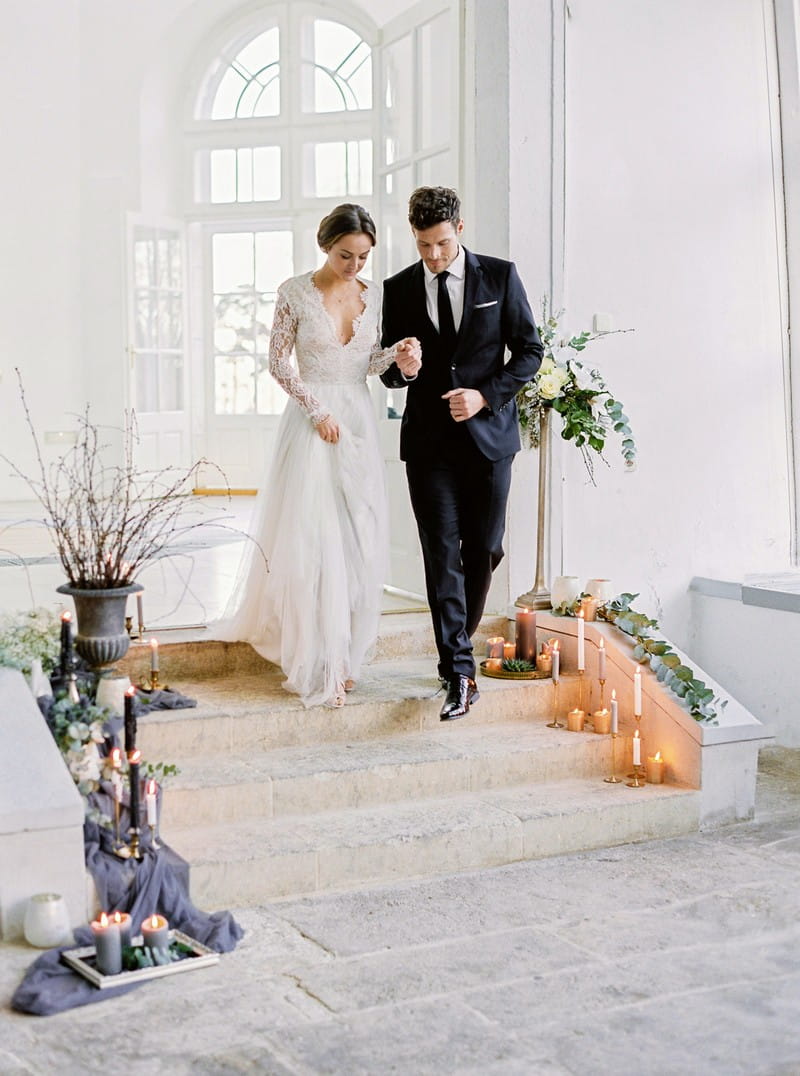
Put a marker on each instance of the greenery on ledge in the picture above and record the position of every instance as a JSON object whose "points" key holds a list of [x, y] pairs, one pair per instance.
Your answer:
{"points": [[698, 698]]}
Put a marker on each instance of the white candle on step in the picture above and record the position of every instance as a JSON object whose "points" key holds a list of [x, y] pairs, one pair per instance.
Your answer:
{"points": [[614, 713], [581, 641], [601, 660], [556, 663], [637, 749], [637, 693]]}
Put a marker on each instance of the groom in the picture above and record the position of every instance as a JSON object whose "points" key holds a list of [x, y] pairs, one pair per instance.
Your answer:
{"points": [[459, 430]]}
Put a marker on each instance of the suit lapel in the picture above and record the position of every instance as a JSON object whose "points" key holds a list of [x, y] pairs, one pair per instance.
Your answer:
{"points": [[472, 277]]}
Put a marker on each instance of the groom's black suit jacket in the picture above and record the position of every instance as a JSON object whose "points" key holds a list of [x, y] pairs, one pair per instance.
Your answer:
{"points": [[496, 317]]}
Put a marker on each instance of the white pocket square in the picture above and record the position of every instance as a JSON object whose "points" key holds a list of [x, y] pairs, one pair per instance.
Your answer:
{"points": [[482, 306]]}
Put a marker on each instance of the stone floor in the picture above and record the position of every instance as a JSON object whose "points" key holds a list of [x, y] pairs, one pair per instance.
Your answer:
{"points": [[672, 957]]}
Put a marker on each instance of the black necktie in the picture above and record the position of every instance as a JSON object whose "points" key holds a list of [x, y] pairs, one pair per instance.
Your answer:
{"points": [[447, 327]]}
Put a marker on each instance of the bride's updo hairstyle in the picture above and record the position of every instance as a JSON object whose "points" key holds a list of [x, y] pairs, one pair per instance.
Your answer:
{"points": [[345, 219]]}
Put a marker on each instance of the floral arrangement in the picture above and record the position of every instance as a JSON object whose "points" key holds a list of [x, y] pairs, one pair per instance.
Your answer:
{"points": [[579, 394], [29, 635]]}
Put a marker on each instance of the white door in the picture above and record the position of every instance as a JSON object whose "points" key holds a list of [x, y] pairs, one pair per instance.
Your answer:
{"points": [[419, 125], [158, 388]]}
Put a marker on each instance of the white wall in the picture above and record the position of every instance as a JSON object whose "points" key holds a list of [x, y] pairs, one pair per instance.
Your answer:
{"points": [[672, 226]]}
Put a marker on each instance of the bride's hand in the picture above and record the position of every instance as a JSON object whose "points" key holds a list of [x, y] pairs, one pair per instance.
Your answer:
{"points": [[328, 430]]}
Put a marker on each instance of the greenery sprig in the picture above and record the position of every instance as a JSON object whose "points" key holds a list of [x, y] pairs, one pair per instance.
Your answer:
{"points": [[698, 698]]}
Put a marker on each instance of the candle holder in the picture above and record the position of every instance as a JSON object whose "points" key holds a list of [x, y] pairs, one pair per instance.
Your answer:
{"points": [[155, 844], [141, 630], [613, 779], [129, 625], [154, 683], [555, 723], [602, 684], [73, 694], [134, 844], [635, 779]]}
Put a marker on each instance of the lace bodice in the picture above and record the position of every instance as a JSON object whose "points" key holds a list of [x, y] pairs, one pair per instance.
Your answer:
{"points": [[303, 325]]}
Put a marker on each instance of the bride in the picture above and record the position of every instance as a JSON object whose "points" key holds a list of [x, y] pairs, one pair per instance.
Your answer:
{"points": [[322, 518]]}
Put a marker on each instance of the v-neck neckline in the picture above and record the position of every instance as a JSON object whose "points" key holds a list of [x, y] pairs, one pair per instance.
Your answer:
{"points": [[356, 322]]}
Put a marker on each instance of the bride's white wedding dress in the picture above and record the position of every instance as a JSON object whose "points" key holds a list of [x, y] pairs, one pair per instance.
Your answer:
{"points": [[322, 517]]}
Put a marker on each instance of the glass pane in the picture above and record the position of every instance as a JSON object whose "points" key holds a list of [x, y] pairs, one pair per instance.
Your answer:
{"points": [[332, 169], [232, 255], [435, 83], [337, 68], [172, 382], [145, 328], [398, 96], [274, 260], [398, 247], [174, 263], [223, 175], [271, 397], [265, 312], [144, 261], [437, 171], [233, 321], [233, 385], [244, 175], [146, 382], [251, 85], [266, 173]]}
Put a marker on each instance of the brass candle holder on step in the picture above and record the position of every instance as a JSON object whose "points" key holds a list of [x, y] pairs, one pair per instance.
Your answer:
{"points": [[555, 723], [635, 779], [613, 779]]}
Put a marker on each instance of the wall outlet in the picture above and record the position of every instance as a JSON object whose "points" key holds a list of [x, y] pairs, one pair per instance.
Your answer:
{"points": [[60, 437], [603, 323]]}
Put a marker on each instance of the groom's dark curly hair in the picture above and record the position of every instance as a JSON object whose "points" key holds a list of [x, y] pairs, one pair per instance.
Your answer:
{"points": [[428, 206]]}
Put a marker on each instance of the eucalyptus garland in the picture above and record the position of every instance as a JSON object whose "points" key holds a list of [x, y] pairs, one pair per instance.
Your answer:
{"points": [[698, 698]]}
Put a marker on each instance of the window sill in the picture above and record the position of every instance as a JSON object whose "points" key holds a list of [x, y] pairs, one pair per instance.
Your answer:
{"points": [[776, 590]]}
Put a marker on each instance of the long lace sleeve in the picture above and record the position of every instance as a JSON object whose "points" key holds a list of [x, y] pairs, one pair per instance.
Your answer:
{"points": [[284, 330], [380, 359]]}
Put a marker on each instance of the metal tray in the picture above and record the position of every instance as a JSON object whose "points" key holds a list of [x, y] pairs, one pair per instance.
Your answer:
{"points": [[505, 674], [82, 961]]}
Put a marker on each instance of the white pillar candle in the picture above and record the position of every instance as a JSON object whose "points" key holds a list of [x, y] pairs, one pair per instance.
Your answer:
{"points": [[637, 693], [601, 660], [614, 713], [637, 749], [494, 646], [581, 641], [155, 932], [107, 946]]}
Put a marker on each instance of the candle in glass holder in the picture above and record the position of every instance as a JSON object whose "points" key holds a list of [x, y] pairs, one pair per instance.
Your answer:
{"points": [[494, 646], [601, 721], [494, 664], [526, 635], [575, 720], [654, 768], [123, 922], [155, 932], [509, 651], [601, 660], [588, 607], [107, 946], [544, 661]]}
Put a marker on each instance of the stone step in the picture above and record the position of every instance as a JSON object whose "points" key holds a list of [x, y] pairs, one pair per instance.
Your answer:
{"points": [[451, 759], [194, 654], [247, 863], [251, 712]]}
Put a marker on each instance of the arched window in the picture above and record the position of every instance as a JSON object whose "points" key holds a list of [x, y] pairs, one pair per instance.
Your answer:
{"points": [[281, 129]]}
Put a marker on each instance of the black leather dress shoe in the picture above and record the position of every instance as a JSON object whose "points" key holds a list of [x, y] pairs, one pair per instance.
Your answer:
{"points": [[462, 691]]}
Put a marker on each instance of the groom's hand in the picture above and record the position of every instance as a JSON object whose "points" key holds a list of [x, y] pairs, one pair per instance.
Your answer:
{"points": [[465, 403], [409, 357]]}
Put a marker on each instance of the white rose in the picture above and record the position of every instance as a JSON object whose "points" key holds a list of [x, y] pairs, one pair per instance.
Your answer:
{"points": [[550, 386], [547, 367]]}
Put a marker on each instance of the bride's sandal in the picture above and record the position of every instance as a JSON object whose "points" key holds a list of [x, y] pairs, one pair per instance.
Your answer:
{"points": [[349, 685], [337, 700]]}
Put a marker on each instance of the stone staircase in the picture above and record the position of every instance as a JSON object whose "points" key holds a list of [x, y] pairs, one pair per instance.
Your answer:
{"points": [[275, 800]]}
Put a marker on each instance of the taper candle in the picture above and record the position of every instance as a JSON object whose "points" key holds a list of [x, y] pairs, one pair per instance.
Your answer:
{"points": [[601, 660], [154, 655], [107, 946], [637, 692], [130, 720], [66, 642], [134, 758], [581, 641], [526, 635], [556, 663], [614, 713], [140, 613], [151, 802], [637, 749]]}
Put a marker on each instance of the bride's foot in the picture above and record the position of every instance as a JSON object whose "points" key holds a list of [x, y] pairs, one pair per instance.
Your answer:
{"points": [[337, 700], [349, 685]]}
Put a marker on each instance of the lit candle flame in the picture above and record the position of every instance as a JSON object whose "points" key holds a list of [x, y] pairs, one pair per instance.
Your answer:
{"points": [[66, 616], [602, 644], [135, 757], [154, 644], [636, 735], [151, 787], [130, 691], [155, 922], [581, 613], [614, 693], [555, 645], [103, 919], [657, 756], [117, 917], [116, 757]]}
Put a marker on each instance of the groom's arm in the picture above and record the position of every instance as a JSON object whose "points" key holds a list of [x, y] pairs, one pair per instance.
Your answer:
{"points": [[390, 334], [521, 337]]}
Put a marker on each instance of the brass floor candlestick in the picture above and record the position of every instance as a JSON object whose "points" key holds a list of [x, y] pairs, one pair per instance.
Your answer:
{"points": [[613, 779], [635, 779], [555, 723]]}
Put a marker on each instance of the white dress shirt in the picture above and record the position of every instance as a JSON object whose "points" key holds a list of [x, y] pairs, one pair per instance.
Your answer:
{"points": [[455, 289]]}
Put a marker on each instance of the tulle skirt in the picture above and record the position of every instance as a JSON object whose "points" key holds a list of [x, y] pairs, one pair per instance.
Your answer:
{"points": [[321, 524]]}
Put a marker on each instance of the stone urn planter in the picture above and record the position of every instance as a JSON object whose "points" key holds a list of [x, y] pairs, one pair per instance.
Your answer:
{"points": [[102, 638]]}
